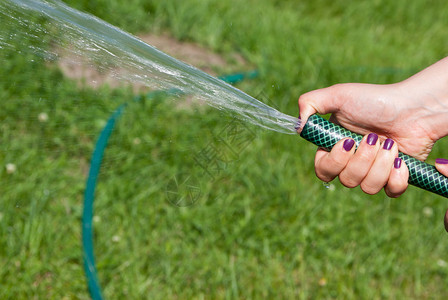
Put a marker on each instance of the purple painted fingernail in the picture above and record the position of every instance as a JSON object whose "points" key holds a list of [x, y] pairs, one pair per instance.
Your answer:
{"points": [[298, 123], [372, 138], [388, 143], [348, 144], [442, 161], [397, 163]]}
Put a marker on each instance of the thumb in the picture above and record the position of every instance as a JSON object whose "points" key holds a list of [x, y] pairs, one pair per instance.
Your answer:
{"points": [[322, 101]]}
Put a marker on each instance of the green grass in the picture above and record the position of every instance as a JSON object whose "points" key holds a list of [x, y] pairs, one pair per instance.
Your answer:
{"points": [[263, 226]]}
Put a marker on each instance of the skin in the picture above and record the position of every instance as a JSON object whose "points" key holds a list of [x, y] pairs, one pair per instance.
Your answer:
{"points": [[413, 113]]}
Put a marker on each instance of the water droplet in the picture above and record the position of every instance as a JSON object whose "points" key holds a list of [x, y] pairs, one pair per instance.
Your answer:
{"points": [[329, 186]]}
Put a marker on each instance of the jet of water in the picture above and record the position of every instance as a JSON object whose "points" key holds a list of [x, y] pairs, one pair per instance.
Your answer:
{"points": [[87, 37]]}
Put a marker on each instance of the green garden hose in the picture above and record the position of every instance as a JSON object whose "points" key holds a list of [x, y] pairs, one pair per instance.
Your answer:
{"points": [[95, 166], [323, 133]]}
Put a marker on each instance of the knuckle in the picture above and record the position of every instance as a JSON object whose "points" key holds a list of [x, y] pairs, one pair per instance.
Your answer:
{"points": [[366, 156], [337, 162], [395, 189], [349, 184], [337, 88], [392, 195], [323, 175], [305, 98], [348, 181], [370, 189], [329, 167]]}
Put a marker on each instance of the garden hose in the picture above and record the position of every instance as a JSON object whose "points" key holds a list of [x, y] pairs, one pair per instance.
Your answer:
{"points": [[323, 133], [90, 270]]}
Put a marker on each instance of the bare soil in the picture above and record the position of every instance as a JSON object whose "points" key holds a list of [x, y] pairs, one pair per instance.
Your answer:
{"points": [[188, 52]]}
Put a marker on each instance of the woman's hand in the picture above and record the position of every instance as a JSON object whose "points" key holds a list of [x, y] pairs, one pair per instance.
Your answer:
{"points": [[390, 119], [409, 116], [391, 111]]}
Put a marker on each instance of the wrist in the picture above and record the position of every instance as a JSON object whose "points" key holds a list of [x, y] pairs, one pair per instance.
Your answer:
{"points": [[426, 98]]}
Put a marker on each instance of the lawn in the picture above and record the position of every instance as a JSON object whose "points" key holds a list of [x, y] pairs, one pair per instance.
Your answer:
{"points": [[261, 225]]}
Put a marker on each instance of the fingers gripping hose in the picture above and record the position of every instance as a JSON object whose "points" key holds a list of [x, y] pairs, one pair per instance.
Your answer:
{"points": [[323, 133]]}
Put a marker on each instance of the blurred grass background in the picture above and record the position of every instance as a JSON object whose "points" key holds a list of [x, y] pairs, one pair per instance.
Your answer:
{"points": [[266, 227]]}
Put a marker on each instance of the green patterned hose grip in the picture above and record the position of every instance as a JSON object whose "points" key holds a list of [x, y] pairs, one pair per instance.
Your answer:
{"points": [[323, 133]]}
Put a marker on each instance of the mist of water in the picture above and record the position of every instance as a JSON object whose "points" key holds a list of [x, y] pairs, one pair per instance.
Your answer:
{"points": [[88, 38]]}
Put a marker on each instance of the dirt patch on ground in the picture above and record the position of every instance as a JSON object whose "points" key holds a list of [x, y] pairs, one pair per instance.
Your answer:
{"points": [[188, 52], [191, 53]]}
